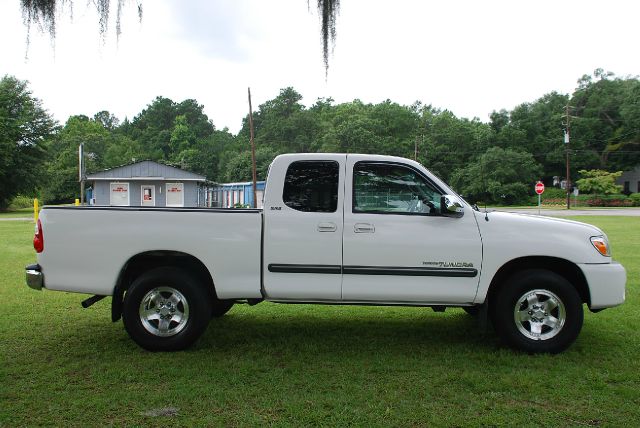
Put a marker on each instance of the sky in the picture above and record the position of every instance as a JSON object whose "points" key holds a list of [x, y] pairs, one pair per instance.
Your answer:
{"points": [[467, 56]]}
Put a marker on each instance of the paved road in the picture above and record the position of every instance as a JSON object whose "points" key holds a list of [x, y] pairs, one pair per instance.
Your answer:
{"points": [[628, 212], [16, 218]]}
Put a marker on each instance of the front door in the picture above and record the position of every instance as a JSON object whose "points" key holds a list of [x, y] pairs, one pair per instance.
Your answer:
{"points": [[397, 245], [303, 229], [148, 196]]}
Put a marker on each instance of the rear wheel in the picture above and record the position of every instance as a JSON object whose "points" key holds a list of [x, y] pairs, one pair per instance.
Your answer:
{"points": [[166, 309], [538, 311]]}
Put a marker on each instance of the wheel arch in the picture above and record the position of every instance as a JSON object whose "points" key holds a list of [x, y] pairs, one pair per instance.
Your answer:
{"points": [[568, 270], [143, 262]]}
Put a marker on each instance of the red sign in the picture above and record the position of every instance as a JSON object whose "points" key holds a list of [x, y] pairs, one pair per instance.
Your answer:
{"points": [[539, 187]]}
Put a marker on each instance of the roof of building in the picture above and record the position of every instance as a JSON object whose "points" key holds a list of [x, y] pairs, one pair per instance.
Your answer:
{"points": [[243, 183], [146, 170]]}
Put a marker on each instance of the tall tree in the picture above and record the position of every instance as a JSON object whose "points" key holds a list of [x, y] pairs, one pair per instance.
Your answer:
{"points": [[502, 176], [24, 128], [606, 123], [62, 163], [161, 134], [536, 127]]}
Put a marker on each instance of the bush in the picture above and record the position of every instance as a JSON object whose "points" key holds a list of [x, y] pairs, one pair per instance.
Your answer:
{"points": [[604, 201], [588, 200], [600, 202], [21, 202], [635, 199], [553, 193], [551, 201]]}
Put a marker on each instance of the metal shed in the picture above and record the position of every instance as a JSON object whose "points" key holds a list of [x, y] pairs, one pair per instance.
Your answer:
{"points": [[230, 195], [146, 183]]}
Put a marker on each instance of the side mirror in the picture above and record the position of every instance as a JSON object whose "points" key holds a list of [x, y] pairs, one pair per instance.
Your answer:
{"points": [[451, 206]]}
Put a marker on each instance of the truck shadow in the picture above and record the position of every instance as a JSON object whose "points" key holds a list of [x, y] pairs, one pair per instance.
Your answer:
{"points": [[304, 333], [342, 331]]}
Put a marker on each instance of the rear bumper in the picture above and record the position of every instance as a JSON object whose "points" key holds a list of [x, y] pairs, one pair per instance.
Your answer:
{"points": [[606, 284], [35, 277]]}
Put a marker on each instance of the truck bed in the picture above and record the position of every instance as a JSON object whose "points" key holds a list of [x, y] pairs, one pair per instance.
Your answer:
{"points": [[85, 248]]}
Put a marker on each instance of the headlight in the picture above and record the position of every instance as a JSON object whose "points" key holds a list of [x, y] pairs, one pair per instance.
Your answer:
{"points": [[600, 243]]}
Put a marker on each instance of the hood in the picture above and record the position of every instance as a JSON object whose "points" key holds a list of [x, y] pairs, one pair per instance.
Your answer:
{"points": [[544, 222], [534, 235]]}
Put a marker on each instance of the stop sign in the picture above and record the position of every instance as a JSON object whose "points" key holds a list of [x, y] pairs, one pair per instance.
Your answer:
{"points": [[539, 187]]}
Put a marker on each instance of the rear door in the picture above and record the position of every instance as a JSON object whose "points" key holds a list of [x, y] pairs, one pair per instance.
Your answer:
{"points": [[303, 222]]}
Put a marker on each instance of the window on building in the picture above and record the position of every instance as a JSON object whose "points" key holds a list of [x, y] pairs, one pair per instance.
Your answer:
{"points": [[175, 194], [392, 189], [311, 186], [627, 187], [119, 194]]}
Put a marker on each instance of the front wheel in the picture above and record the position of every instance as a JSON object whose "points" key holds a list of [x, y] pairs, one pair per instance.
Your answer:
{"points": [[166, 309], [538, 311]]}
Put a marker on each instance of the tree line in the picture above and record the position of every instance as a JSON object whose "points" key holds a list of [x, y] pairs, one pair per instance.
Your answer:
{"points": [[496, 161]]}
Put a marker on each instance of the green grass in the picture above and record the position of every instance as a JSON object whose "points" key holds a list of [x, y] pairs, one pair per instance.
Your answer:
{"points": [[288, 365], [21, 212]]}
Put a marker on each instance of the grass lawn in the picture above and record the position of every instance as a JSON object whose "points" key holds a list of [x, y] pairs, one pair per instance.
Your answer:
{"points": [[309, 365], [22, 212]]}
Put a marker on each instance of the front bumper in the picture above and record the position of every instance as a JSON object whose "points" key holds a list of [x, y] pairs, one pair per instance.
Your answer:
{"points": [[35, 277], [606, 284]]}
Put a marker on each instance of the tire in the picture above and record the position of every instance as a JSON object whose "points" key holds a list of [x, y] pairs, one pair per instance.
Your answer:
{"points": [[537, 311], [221, 307], [166, 309]]}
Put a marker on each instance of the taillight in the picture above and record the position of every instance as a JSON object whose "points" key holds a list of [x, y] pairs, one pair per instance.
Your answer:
{"points": [[38, 238]]}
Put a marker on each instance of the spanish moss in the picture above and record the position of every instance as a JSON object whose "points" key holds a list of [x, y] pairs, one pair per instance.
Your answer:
{"points": [[328, 11], [44, 13]]}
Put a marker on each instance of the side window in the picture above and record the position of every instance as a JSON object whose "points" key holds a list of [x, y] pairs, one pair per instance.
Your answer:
{"points": [[392, 189], [311, 186]]}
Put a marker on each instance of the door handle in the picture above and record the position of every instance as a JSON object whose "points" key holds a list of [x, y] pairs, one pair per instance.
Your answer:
{"points": [[327, 227], [364, 228]]}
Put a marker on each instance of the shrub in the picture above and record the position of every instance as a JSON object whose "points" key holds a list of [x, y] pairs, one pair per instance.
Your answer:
{"points": [[21, 202], [605, 200], [588, 200], [635, 199], [601, 202], [553, 193]]}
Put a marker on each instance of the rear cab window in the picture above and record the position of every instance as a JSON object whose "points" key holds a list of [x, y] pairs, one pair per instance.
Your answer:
{"points": [[312, 186]]}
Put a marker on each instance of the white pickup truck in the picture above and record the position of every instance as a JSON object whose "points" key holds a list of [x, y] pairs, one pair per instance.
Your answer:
{"points": [[335, 229]]}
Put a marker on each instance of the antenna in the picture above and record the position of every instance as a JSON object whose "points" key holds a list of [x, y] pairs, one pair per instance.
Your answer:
{"points": [[253, 150]]}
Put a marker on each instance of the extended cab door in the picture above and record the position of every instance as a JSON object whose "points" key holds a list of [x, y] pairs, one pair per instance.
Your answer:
{"points": [[398, 247], [303, 218]]}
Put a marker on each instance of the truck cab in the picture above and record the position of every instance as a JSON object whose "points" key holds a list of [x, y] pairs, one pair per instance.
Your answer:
{"points": [[366, 229]]}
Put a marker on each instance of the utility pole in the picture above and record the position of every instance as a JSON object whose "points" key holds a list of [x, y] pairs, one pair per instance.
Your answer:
{"points": [[567, 132], [415, 153], [81, 171], [253, 150]]}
